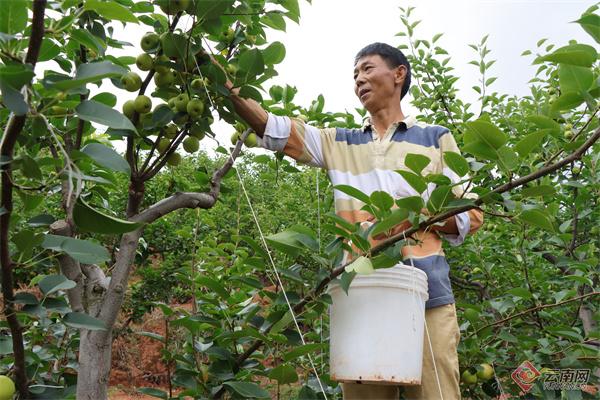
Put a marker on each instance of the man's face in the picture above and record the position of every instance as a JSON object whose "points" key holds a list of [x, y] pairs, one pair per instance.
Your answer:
{"points": [[375, 83]]}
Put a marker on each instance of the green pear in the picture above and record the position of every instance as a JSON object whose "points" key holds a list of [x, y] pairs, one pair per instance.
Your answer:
{"points": [[181, 102], [144, 62], [191, 144], [251, 140], [174, 159], [143, 104], [129, 108], [197, 132], [131, 81], [199, 83], [172, 6], [161, 69], [235, 137], [195, 108], [170, 131], [150, 41], [162, 145], [163, 79]]}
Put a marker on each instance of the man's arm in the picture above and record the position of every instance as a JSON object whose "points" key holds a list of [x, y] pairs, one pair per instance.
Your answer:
{"points": [[249, 110]]}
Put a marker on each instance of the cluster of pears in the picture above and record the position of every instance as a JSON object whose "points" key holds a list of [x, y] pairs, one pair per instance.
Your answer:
{"points": [[251, 139], [482, 372]]}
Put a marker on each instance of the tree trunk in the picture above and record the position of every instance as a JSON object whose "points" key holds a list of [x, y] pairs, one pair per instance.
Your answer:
{"points": [[94, 364]]}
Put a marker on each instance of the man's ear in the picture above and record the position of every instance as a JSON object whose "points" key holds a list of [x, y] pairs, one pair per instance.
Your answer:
{"points": [[400, 74]]}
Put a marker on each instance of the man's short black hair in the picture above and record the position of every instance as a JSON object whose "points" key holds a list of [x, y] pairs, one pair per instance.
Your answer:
{"points": [[391, 55]]}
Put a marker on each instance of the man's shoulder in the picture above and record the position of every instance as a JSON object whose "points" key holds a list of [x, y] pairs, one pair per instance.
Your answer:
{"points": [[424, 134]]}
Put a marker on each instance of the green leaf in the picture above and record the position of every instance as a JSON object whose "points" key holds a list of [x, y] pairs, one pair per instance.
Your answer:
{"points": [[507, 158], [106, 157], [456, 163], [26, 298], [289, 242], [93, 111], [521, 292], [83, 251], [110, 10], [274, 54], [284, 374], [567, 101], [414, 180], [346, 279], [485, 132], [154, 392], [212, 284], [591, 24], [209, 9], [85, 38], [90, 72], [175, 45], [303, 350], [247, 390], [251, 64], [544, 122], [530, 142], [105, 98], [396, 217], [81, 320], [574, 79], [439, 198], [88, 219], [412, 203], [13, 18], [574, 54], [16, 76], [49, 50], [353, 192], [30, 168], [416, 162], [541, 190], [13, 99], [274, 20], [381, 200], [537, 218], [152, 335], [6, 346], [52, 283]]}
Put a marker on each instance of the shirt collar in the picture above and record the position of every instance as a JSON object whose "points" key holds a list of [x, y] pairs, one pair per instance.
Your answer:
{"points": [[408, 122]]}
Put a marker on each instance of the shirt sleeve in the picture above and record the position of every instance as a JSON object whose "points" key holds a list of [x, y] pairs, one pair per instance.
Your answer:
{"points": [[296, 139], [466, 222]]}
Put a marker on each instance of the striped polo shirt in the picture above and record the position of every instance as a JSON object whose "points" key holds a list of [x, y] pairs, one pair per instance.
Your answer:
{"points": [[368, 162]]}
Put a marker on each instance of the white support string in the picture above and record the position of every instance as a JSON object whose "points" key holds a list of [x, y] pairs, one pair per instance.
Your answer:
{"points": [[264, 242]]}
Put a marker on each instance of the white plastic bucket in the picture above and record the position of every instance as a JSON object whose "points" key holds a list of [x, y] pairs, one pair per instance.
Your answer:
{"points": [[376, 331]]}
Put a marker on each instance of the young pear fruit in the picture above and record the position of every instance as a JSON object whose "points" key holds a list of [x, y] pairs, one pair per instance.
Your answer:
{"points": [[199, 83], [181, 102], [172, 6], [129, 108], [195, 108], [162, 145], [174, 159], [161, 69], [163, 79], [251, 140], [170, 131], [468, 377], [143, 104], [197, 132], [131, 81], [7, 388], [485, 372], [235, 136], [191, 144], [149, 41], [144, 62]]}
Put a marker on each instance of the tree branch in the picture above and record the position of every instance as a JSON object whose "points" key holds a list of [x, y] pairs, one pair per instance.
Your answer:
{"points": [[13, 128], [533, 309]]}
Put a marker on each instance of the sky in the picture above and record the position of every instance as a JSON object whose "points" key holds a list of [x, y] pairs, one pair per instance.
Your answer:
{"points": [[320, 50]]}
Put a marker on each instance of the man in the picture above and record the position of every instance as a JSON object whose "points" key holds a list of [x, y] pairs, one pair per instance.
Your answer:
{"points": [[367, 159]]}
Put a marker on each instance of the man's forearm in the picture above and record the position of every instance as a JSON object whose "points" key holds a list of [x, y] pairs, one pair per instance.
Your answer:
{"points": [[250, 111]]}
